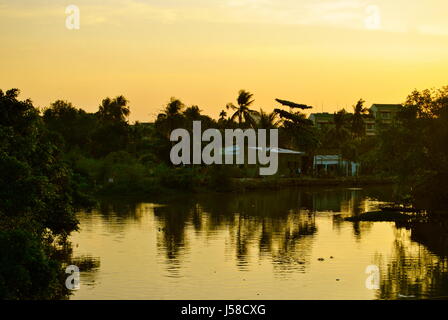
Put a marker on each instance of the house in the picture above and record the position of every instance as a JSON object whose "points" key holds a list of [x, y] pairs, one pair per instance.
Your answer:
{"points": [[321, 120], [334, 165], [385, 113], [370, 126], [325, 120], [290, 162], [380, 114]]}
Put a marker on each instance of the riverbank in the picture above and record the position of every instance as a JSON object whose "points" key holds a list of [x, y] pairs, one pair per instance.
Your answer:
{"points": [[243, 184], [223, 184]]}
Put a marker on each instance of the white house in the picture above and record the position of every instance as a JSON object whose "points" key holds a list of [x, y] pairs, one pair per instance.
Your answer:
{"points": [[335, 164]]}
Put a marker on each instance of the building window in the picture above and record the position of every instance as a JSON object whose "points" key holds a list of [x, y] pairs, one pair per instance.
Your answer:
{"points": [[386, 115]]}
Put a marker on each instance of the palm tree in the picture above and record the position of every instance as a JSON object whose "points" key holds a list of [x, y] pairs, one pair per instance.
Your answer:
{"points": [[338, 135], [340, 132], [244, 101], [268, 120], [171, 118], [192, 113], [358, 129], [174, 107], [222, 115]]}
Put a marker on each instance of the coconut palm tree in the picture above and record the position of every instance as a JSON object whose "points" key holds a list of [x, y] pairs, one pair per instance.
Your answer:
{"points": [[244, 101], [171, 118], [173, 108], [339, 132], [268, 120], [193, 113], [222, 115], [358, 127]]}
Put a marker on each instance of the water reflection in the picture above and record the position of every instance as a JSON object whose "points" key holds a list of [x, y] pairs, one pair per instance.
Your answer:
{"points": [[279, 224], [89, 266], [417, 271], [239, 245]]}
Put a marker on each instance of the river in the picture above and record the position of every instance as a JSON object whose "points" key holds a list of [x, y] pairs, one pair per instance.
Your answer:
{"points": [[286, 244]]}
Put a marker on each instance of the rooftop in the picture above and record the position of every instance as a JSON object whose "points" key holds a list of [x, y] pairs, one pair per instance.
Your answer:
{"points": [[385, 105], [322, 115]]}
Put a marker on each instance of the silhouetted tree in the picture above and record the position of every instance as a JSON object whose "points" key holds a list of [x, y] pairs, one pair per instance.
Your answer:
{"points": [[297, 130], [112, 133], [36, 202], [114, 110], [171, 118], [268, 120], [358, 125], [338, 135], [244, 101], [74, 125]]}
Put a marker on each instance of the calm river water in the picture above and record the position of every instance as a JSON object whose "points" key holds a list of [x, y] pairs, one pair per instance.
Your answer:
{"points": [[287, 244]]}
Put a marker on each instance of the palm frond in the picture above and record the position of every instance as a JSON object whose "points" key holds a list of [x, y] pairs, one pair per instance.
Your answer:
{"points": [[293, 104]]}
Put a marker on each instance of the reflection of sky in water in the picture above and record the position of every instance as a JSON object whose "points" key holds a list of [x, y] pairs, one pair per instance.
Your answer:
{"points": [[262, 245]]}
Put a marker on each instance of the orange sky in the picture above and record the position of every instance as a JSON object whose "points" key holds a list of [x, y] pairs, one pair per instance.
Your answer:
{"points": [[318, 52]]}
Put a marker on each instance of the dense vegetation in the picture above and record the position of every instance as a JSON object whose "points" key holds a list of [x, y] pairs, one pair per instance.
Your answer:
{"points": [[415, 149], [36, 202], [53, 160], [109, 155]]}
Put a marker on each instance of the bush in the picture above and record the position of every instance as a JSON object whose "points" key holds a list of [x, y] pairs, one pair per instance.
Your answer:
{"points": [[26, 270], [177, 178], [218, 177]]}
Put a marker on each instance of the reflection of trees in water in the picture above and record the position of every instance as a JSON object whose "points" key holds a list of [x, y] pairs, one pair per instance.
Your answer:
{"points": [[418, 267], [279, 226], [171, 239], [269, 223], [276, 225], [291, 250], [116, 213], [355, 201], [348, 202], [88, 266], [119, 208], [433, 235]]}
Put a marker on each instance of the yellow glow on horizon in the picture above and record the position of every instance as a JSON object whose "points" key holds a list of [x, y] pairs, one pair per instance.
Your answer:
{"points": [[315, 52]]}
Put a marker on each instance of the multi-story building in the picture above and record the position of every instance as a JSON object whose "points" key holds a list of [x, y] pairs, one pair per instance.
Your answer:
{"points": [[380, 114], [321, 120], [332, 163], [385, 113], [370, 124]]}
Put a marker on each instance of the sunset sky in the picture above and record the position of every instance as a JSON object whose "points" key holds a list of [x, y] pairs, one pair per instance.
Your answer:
{"points": [[319, 52]]}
